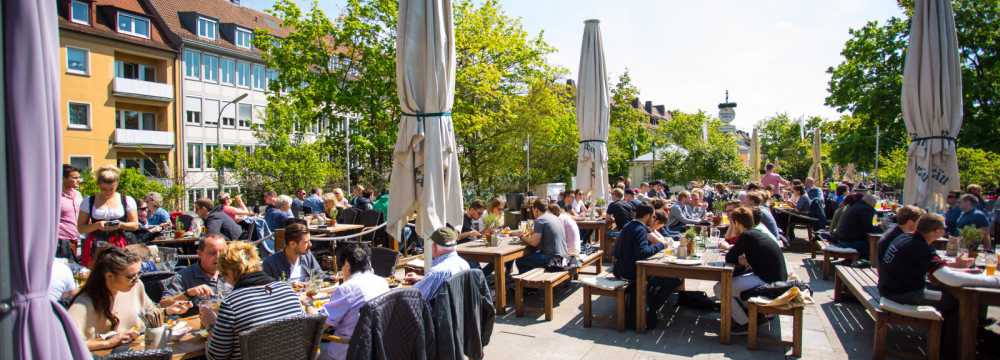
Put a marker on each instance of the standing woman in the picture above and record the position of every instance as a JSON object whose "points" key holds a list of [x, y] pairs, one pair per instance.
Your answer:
{"points": [[107, 216]]}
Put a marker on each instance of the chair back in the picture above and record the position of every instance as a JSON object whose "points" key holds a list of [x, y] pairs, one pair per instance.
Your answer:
{"points": [[153, 282], [384, 261], [348, 215], [279, 240], [249, 230], [291, 338], [372, 218], [186, 220], [157, 354]]}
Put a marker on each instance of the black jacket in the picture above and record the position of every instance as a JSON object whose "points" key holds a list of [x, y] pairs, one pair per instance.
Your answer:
{"points": [[463, 316], [856, 223], [763, 254], [622, 211], [218, 222], [395, 325]]}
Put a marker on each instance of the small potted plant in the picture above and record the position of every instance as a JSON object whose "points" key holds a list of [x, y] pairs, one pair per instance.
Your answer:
{"points": [[178, 229], [718, 208], [600, 203], [688, 242], [491, 222], [971, 239]]}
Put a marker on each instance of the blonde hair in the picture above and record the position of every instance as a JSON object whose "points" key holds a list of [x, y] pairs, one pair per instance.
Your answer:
{"points": [[338, 192], [239, 258], [107, 174]]}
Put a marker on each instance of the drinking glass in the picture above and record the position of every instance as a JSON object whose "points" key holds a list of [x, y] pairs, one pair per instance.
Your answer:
{"points": [[991, 264], [715, 233], [169, 258]]}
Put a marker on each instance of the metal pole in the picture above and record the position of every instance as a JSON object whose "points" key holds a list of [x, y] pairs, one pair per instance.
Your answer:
{"points": [[347, 149], [877, 135], [218, 137], [527, 158]]}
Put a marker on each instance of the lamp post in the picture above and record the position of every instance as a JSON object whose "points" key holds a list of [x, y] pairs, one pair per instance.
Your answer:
{"points": [[527, 160], [218, 136], [347, 149]]}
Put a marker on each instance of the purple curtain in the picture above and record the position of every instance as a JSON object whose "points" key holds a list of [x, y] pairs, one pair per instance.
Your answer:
{"points": [[31, 56]]}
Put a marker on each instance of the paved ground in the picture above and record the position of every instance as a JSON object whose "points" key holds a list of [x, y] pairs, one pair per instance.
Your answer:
{"points": [[831, 330]]}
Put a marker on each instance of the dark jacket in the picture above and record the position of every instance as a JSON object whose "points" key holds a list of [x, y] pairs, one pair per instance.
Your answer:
{"points": [[856, 223], [218, 222], [395, 325], [763, 254], [463, 316], [633, 245], [622, 211]]}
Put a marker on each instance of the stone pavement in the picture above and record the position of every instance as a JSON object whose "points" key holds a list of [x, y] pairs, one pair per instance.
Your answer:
{"points": [[831, 330]]}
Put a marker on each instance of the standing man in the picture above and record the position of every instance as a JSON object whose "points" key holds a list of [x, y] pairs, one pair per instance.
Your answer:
{"points": [[295, 263], [216, 221], [200, 280], [69, 211], [771, 178]]}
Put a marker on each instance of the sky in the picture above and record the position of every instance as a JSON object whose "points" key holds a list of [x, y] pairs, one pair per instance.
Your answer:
{"points": [[772, 55]]}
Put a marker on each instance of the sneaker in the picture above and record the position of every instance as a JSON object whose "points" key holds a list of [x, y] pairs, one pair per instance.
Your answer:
{"points": [[737, 329]]}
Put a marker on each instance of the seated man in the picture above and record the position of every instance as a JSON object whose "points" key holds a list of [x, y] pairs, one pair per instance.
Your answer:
{"points": [[755, 199], [953, 213], [619, 209], [679, 216], [971, 215], [216, 221], [199, 281], [277, 215], [296, 262], [855, 224], [446, 263], [759, 261], [360, 285], [906, 223], [314, 201], [470, 225], [547, 241], [634, 245]]}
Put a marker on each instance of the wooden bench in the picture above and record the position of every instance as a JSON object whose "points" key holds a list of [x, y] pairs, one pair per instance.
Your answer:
{"points": [[604, 284], [538, 279], [863, 284], [587, 260], [795, 313], [831, 253]]}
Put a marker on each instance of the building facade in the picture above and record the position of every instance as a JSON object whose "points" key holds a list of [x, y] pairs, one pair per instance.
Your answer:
{"points": [[117, 101], [218, 64]]}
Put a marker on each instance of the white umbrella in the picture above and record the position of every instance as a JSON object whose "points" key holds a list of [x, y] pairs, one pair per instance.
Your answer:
{"points": [[425, 175], [592, 113], [816, 170], [932, 104]]}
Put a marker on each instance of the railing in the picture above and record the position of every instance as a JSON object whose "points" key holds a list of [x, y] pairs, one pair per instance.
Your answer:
{"points": [[142, 89]]}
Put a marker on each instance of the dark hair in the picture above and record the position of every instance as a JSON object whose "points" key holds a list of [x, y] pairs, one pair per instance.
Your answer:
{"points": [[630, 192], [204, 203], [755, 197], [555, 209], [799, 189], [756, 215], [356, 256], [69, 169], [660, 216], [841, 189], [643, 209], [743, 216], [539, 205], [753, 186], [295, 232], [108, 260], [476, 204], [658, 204], [852, 198], [908, 213], [366, 193], [769, 166]]}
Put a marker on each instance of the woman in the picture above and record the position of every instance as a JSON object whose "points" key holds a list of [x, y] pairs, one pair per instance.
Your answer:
{"points": [[157, 214], [256, 298], [112, 300], [800, 199], [759, 262], [107, 216], [279, 213], [235, 208], [342, 202], [698, 208], [495, 207], [330, 207], [579, 204]]}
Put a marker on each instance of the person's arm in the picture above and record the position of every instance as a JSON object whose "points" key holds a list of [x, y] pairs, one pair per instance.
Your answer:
{"points": [[955, 278], [214, 227], [533, 239], [738, 249], [84, 226], [647, 249]]}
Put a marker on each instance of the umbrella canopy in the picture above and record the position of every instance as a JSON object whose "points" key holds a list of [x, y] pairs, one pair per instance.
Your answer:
{"points": [[592, 113], [816, 170], [425, 174], [755, 157], [851, 173], [932, 104]]}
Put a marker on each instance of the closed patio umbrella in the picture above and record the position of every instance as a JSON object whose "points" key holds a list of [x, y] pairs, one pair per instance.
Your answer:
{"points": [[592, 113], [816, 170], [425, 174], [755, 157], [932, 105]]}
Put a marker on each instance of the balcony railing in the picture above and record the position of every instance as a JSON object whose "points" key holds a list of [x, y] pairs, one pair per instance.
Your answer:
{"points": [[142, 89], [144, 138]]}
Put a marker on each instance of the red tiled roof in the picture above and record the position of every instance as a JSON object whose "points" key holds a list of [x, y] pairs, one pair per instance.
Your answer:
{"points": [[224, 11], [105, 27]]}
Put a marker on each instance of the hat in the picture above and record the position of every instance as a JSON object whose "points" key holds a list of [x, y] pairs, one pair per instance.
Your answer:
{"points": [[444, 236]]}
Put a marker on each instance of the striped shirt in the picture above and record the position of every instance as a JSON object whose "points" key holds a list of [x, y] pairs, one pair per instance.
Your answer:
{"points": [[244, 309]]}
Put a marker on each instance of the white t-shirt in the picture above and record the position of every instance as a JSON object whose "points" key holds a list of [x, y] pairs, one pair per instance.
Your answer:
{"points": [[296, 270], [572, 233], [61, 280], [113, 211]]}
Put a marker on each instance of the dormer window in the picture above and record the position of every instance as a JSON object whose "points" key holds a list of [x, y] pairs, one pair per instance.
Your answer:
{"points": [[79, 12], [207, 28], [244, 38], [134, 25]]}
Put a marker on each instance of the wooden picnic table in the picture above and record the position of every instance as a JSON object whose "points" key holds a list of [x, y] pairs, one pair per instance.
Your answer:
{"points": [[189, 346], [338, 228], [969, 301], [498, 256], [170, 240], [712, 268], [600, 228]]}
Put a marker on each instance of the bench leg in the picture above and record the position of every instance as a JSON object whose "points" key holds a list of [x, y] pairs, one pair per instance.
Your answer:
{"points": [[934, 340], [797, 333], [838, 289], [597, 266], [620, 308], [827, 266], [881, 331], [752, 328], [587, 315], [548, 302], [519, 299]]}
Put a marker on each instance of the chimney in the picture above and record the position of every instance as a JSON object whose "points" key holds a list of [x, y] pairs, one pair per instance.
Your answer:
{"points": [[635, 103], [661, 110], [649, 107]]}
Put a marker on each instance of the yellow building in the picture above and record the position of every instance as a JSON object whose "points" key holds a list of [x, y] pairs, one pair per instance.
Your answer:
{"points": [[117, 102]]}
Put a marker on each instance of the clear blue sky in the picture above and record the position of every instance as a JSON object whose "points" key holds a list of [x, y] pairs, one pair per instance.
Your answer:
{"points": [[772, 55]]}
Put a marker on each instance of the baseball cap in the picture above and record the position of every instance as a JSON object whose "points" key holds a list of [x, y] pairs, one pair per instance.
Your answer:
{"points": [[444, 236]]}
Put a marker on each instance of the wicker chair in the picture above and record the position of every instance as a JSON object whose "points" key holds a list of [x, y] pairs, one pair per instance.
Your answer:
{"points": [[292, 338], [153, 281], [384, 261], [158, 354]]}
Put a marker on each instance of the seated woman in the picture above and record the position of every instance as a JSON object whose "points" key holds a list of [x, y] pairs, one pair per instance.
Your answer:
{"points": [[234, 206], [341, 201], [112, 300], [279, 213], [256, 298], [759, 262]]}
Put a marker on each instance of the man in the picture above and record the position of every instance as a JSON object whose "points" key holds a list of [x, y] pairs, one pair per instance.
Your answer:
{"points": [[755, 200], [62, 285], [633, 245], [298, 202], [977, 191], [364, 202], [619, 209], [279, 212], [381, 204], [200, 280], [295, 262], [759, 261], [630, 197], [855, 224], [813, 191], [953, 213], [314, 201], [446, 263], [906, 223], [216, 221], [69, 210], [643, 193], [653, 191], [679, 216], [771, 178], [360, 285], [470, 225], [570, 230], [971, 215], [547, 241], [269, 197]]}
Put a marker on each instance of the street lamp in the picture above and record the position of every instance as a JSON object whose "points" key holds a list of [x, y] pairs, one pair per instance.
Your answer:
{"points": [[218, 136], [527, 160], [634, 149]]}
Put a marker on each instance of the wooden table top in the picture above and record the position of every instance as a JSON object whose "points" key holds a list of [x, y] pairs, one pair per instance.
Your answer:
{"points": [[335, 228], [169, 239], [585, 221], [479, 248], [711, 259], [188, 346]]}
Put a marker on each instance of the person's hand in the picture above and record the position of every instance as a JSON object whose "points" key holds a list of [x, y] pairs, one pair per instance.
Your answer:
{"points": [[743, 261], [178, 308], [474, 234], [206, 315], [411, 278], [298, 286], [123, 338], [724, 245], [155, 229], [198, 291], [962, 262]]}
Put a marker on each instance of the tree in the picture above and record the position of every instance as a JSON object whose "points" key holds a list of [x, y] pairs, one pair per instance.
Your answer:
{"points": [[975, 166], [787, 143], [134, 183], [716, 160], [627, 128]]}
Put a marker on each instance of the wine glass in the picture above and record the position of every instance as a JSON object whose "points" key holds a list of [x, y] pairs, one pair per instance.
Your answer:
{"points": [[169, 258]]}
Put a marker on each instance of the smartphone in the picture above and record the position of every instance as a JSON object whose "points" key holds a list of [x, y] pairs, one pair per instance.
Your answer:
{"points": [[113, 223]]}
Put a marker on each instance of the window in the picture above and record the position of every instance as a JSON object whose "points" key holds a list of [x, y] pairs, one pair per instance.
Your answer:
{"points": [[211, 67], [135, 71], [228, 121], [79, 12], [211, 112], [243, 74], [144, 165], [244, 38], [245, 115], [229, 116], [77, 61], [206, 28], [259, 77], [272, 75], [192, 196], [192, 111], [81, 162], [79, 115], [135, 120], [226, 70], [192, 64], [210, 150], [259, 114], [194, 156], [133, 25], [211, 193]]}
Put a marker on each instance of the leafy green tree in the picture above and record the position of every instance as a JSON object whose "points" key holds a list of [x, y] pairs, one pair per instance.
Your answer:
{"points": [[975, 166], [716, 160], [628, 128], [782, 143], [133, 183]]}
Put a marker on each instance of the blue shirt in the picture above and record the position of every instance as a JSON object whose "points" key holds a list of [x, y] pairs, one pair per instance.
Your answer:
{"points": [[277, 266], [442, 268], [975, 217], [767, 219], [815, 193], [160, 216], [315, 203], [276, 218], [951, 219]]}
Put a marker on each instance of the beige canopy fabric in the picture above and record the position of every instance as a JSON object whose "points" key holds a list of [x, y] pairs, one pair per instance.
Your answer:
{"points": [[425, 173], [755, 157], [932, 105], [816, 170], [593, 112]]}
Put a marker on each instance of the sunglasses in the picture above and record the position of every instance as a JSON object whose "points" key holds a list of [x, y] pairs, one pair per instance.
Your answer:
{"points": [[133, 278]]}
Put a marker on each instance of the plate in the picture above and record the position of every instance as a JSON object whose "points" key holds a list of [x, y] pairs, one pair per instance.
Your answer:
{"points": [[688, 262]]}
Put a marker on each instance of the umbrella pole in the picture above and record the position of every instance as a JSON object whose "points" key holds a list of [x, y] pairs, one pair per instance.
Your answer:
{"points": [[877, 134]]}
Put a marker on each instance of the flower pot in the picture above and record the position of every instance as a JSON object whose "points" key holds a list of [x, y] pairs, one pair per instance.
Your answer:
{"points": [[179, 234]]}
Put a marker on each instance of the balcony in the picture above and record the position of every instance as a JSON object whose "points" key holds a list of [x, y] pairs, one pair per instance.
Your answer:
{"points": [[140, 89], [144, 139]]}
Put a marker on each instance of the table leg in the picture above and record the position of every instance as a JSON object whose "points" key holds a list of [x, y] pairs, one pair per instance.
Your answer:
{"points": [[501, 273], [873, 252], [968, 317], [725, 308], [640, 299]]}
